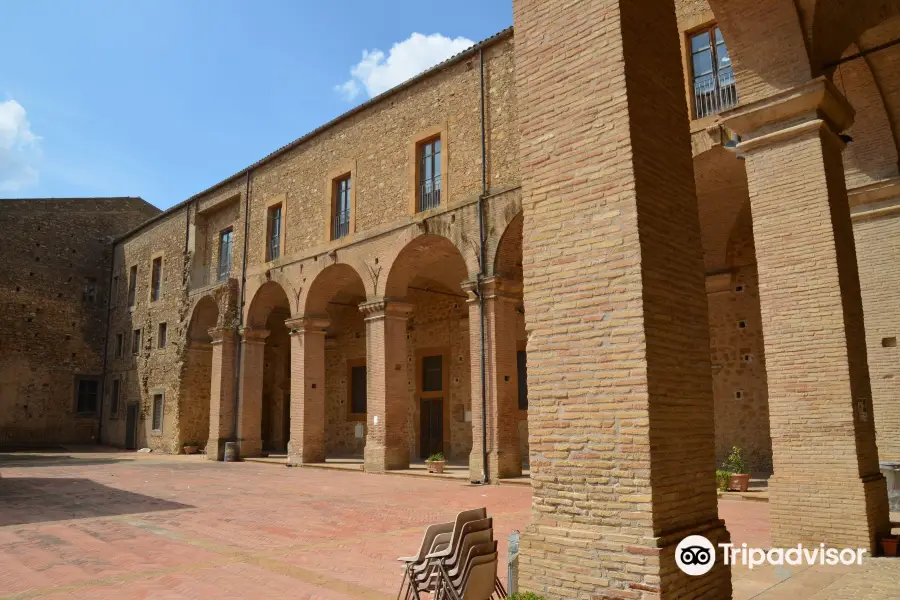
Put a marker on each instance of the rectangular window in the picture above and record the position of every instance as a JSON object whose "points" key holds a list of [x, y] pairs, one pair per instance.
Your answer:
{"points": [[430, 174], [136, 342], [432, 373], [88, 392], [157, 412], [161, 335], [273, 246], [358, 390], [120, 345], [114, 399], [156, 279], [225, 238], [522, 373], [713, 77], [341, 225], [132, 284]]}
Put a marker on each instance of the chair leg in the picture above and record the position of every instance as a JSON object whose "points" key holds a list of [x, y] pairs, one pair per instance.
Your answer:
{"points": [[403, 582]]}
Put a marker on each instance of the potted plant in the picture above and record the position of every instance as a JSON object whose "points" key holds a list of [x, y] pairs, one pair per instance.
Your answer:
{"points": [[889, 545], [191, 447], [739, 480], [722, 480], [436, 463]]}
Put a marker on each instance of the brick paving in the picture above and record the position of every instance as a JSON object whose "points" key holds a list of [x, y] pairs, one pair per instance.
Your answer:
{"points": [[122, 526]]}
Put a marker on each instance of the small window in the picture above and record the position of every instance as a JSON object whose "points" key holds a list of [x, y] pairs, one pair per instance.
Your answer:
{"points": [[225, 239], [712, 74], [273, 246], [114, 399], [156, 279], [161, 335], [136, 342], [358, 390], [432, 373], [132, 284], [341, 223], [88, 392], [157, 412], [120, 345], [429, 191], [522, 374]]}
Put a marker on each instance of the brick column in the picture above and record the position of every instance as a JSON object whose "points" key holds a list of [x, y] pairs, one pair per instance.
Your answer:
{"points": [[500, 299], [249, 433], [827, 486], [620, 406], [387, 404], [307, 443], [221, 393]]}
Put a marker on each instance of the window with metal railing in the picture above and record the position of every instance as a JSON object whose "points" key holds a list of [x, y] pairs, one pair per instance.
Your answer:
{"points": [[340, 226], [273, 245], [225, 240], [713, 76], [429, 174]]}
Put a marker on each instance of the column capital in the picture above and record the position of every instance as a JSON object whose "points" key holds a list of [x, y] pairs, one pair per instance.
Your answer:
{"points": [[254, 335], [386, 307], [814, 105], [494, 288], [307, 324], [221, 335]]}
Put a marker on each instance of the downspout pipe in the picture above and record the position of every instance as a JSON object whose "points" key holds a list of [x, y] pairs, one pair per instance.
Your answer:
{"points": [[109, 293], [481, 271], [238, 346]]}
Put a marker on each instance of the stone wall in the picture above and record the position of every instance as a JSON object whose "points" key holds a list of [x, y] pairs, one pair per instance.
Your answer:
{"points": [[54, 289]]}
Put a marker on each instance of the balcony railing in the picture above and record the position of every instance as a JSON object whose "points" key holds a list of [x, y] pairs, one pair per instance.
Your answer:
{"points": [[430, 193], [714, 93], [340, 225]]}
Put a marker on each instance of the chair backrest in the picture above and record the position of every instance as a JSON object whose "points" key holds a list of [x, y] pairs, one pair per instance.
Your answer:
{"points": [[469, 540], [467, 530], [477, 555], [479, 584], [464, 517], [428, 540]]}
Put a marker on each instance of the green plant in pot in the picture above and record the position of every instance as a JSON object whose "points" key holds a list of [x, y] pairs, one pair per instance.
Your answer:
{"points": [[436, 463], [739, 480], [722, 479]]}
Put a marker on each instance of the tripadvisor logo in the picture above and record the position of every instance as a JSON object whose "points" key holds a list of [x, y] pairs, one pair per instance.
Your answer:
{"points": [[696, 555]]}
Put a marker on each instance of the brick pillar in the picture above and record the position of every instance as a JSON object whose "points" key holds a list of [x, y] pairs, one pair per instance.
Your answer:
{"points": [[827, 486], [307, 443], [500, 299], [221, 393], [249, 433], [620, 406], [387, 438]]}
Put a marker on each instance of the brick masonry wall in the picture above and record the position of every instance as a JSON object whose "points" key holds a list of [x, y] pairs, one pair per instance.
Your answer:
{"points": [[54, 285]]}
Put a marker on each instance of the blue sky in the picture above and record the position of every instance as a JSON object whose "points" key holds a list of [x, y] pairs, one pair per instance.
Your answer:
{"points": [[162, 99]]}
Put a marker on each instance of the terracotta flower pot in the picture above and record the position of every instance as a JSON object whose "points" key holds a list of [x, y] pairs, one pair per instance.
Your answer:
{"points": [[739, 482], [889, 545], [191, 449], [436, 466]]}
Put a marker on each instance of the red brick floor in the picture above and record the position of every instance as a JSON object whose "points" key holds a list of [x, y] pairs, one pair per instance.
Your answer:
{"points": [[146, 526]]}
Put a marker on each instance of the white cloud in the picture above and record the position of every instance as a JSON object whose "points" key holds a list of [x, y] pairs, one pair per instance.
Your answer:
{"points": [[20, 150], [377, 73]]}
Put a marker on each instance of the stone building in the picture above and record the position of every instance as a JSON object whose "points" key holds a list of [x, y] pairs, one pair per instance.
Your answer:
{"points": [[694, 240]]}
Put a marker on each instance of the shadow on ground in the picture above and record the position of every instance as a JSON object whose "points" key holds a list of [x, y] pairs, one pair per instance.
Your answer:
{"points": [[38, 500], [51, 460]]}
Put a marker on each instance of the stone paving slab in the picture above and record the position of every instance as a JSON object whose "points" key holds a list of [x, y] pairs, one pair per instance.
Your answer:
{"points": [[128, 526]]}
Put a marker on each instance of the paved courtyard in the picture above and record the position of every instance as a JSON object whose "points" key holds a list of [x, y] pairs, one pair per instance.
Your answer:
{"points": [[125, 525]]}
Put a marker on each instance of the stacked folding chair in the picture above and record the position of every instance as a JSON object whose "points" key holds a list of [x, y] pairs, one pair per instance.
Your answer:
{"points": [[456, 561]]}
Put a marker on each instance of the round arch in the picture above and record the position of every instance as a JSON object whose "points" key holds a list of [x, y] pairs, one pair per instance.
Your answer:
{"points": [[428, 260], [339, 282], [269, 296], [204, 316], [507, 259]]}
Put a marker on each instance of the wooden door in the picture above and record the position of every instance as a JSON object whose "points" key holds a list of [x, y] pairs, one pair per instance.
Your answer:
{"points": [[431, 426]]}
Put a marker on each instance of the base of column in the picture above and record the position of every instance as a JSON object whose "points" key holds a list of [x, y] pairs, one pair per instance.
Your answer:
{"points": [[476, 473], [248, 448], [305, 455], [500, 465], [215, 448], [541, 570], [379, 459], [841, 511]]}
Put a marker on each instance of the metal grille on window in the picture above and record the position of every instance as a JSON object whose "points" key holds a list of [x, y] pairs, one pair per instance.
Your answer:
{"points": [[714, 87], [430, 174], [225, 254], [274, 232], [341, 224]]}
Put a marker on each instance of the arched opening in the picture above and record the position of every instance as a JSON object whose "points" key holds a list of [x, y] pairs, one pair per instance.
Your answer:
{"points": [[194, 399], [508, 266], [337, 292], [268, 312], [428, 274]]}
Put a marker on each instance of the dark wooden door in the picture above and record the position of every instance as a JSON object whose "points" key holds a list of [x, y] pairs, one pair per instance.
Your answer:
{"points": [[131, 415], [431, 426]]}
